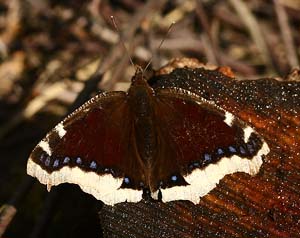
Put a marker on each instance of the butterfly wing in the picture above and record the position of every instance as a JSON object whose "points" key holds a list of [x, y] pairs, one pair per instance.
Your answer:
{"points": [[94, 148], [199, 144]]}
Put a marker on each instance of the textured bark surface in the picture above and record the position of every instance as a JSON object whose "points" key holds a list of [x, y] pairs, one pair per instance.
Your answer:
{"points": [[266, 205]]}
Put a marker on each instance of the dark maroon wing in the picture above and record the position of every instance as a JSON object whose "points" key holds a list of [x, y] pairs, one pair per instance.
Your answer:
{"points": [[94, 146], [193, 134]]}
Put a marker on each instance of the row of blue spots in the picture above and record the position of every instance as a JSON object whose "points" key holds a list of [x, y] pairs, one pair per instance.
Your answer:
{"points": [[243, 150], [46, 160]]}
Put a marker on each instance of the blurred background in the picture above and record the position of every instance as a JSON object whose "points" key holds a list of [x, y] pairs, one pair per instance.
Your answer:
{"points": [[55, 54]]}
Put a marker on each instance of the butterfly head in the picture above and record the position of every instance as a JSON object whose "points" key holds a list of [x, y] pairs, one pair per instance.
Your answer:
{"points": [[140, 93], [139, 76], [139, 82]]}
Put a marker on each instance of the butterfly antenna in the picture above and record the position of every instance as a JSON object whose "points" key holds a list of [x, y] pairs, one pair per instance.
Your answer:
{"points": [[161, 43], [121, 39]]}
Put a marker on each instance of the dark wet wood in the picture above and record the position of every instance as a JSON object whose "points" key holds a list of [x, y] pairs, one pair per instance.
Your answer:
{"points": [[266, 205]]}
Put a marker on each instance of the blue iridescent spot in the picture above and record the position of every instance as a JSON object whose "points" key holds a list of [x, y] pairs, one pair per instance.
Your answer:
{"points": [[250, 148], [78, 160], [232, 149], [242, 150], [174, 178], [56, 163], [142, 184], [93, 165], [42, 158], [207, 157], [66, 160], [220, 151], [47, 161], [126, 180], [196, 164]]}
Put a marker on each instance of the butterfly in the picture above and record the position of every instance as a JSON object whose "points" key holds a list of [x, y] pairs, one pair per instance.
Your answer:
{"points": [[168, 142]]}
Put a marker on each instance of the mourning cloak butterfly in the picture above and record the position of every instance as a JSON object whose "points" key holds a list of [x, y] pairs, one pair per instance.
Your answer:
{"points": [[167, 141]]}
